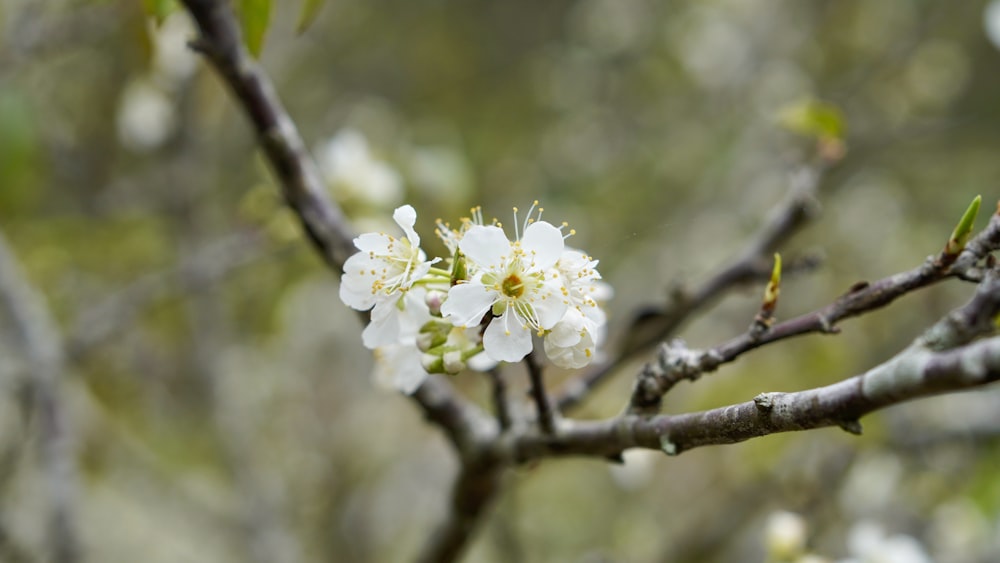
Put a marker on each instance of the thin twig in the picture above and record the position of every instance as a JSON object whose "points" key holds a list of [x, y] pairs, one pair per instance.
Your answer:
{"points": [[840, 404], [498, 394], [920, 370], [546, 414], [676, 363], [653, 325]]}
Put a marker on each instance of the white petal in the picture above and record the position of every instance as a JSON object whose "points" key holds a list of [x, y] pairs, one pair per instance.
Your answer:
{"points": [[594, 314], [486, 246], [571, 357], [572, 260], [356, 283], [362, 300], [544, 243], [406, 217], [383, 329], [373, 242], [506, 340], [467, 303], [601, 291], [566, 332], [481, 362], [421, 269], [414, 315], [549, 304], [409, 378]]}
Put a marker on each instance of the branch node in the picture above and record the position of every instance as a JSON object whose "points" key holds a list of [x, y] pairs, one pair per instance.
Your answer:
{"points": [[710, 361], [668, 446], [826, 326], [201, 46], [851, 426], [764, 402]]}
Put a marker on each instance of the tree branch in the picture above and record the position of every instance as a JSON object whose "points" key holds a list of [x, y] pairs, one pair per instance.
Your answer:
{"points": [[675, 362], [301, 182], [922, 369], [465, 424], [798, 208], [42, 344], [652, 326], [474, 489], [305, 191], [840, 404], [925, 368]]}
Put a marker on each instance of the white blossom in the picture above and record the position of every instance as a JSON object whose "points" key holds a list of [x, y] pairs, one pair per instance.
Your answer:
{"points": [[515, 282], [573, 340], [381, 276], [497, 295]]}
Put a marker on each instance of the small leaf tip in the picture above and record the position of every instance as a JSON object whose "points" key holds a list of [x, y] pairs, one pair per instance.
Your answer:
{"points": [[963, 230]]}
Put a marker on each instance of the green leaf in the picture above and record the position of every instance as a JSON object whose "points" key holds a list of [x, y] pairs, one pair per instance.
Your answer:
{"points": [[255, 15], [159, 9], [308, 13], [774, 285], [814, 118], [960, 236]]}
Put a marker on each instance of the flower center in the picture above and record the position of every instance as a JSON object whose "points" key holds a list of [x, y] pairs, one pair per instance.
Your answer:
{"points": [[512, 286]]}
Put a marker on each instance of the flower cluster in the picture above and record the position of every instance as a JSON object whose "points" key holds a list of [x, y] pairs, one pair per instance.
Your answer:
{"points": [[487, 306]]}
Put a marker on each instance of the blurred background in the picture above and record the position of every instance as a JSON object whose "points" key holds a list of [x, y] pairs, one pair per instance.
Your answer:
{"points": [[217, 401]]}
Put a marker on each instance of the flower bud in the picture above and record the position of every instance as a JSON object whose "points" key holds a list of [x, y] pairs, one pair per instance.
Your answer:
{"points": [[432, 363], [453, 363], [432, 335], [434, 299]]}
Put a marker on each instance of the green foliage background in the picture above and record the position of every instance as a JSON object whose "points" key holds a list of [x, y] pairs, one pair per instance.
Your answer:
{"points": [[220, 395]]}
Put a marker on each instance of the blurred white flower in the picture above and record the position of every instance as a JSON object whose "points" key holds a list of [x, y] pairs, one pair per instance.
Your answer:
{"points": [[785, 535], [715, 50], [867, 542], [353, 172], [991, 22], [440, 172], [960, 530], [146, 116], [173, 61], [398, 366]]}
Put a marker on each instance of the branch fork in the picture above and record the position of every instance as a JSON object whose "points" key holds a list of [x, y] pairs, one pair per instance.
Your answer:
{"points": [[945, 359]]}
